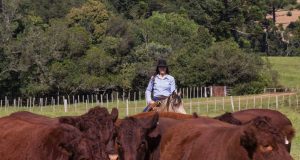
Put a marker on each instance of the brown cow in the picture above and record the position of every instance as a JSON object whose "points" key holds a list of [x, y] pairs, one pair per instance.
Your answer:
{"points": [[142, 130], [206, 139], [98, 126], [277, 119], [25, 135], [22, 139]]}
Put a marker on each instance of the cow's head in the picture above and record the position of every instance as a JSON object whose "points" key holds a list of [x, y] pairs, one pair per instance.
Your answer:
{"points": [[68, 142], [263, 141], [97, 126], [132, 137]]}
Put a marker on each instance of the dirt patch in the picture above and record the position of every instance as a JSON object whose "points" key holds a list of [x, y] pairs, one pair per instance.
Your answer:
{"points": [[284, 19]]}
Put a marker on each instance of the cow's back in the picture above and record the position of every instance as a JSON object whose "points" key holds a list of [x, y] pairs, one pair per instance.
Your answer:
{"points": [[23, 137], [180, 141], [278, 119]]}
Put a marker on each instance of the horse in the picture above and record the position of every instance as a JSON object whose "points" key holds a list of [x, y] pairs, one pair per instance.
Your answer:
{"points": [[172, 103]]}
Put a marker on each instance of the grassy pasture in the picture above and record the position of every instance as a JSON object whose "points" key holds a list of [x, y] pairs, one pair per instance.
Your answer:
{"points": [[286, 103], [288, 69]]}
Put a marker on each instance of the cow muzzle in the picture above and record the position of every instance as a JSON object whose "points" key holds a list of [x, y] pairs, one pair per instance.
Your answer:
{"points": [[113, 156]]}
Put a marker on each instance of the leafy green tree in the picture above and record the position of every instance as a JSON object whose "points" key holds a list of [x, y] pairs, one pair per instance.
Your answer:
{"points": [[97, 65], [172, 29], [48, 9], [92, 15]]}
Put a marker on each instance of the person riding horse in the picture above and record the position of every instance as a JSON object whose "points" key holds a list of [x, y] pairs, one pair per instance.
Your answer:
{"points": [[162, 85]]}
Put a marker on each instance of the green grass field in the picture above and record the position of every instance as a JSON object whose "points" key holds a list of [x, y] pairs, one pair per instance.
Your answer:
{"points": [[287, 104], [288, 69]]}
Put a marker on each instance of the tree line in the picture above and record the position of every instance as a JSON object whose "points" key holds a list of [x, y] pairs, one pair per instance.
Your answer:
{"points": [[51, 47]]}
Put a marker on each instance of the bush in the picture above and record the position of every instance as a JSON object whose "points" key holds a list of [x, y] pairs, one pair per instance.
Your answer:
{"points": [[248, 88], [289, 13]]}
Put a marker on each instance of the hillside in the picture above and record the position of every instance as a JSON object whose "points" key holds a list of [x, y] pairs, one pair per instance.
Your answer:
{"points": [[288, 69]]}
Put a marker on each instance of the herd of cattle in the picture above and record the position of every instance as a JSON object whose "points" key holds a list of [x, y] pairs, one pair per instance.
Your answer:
{"points": [[99, 135]]}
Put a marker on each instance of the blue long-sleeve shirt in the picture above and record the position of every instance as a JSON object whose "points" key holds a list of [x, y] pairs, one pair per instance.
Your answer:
{"points": [[162, 87]]}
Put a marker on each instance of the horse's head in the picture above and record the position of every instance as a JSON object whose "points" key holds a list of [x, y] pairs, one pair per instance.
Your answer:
{"points": [[174, 103]]}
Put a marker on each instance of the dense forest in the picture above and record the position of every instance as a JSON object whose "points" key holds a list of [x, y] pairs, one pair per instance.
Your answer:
{"points": [[51, 47]]}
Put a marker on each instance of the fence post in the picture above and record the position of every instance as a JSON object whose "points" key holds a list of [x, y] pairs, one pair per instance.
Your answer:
{"points": [[92, 99], [53, 109], [107, 100], [201, 92], [33, 102], [97, 100], [283, 99], [66, 105], [5, 103], [215, 105], [223, 103], [197, 92], [78, 99], [30, 102], [232, 103], [88, 99], [75, 106], [52, 101], [187, 92], [183, 94], [73, 100], [205, 93], [117, 100], [69, 101], [46, 101], [101, 98], [18, 103], [14, 103]]}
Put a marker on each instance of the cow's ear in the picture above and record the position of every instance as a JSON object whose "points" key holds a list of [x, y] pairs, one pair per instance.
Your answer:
{"points": [[150, 123], [248, 140], [114, 114]]}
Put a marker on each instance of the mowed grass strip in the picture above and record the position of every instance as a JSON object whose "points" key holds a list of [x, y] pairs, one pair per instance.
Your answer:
{"points": [[288, 69]]}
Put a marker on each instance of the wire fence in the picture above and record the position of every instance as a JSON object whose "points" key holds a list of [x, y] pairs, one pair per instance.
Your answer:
{"points": [[195, 99]]}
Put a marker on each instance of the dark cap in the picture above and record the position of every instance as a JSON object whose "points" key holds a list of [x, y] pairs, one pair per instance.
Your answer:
{"points": [[162, 63]]}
